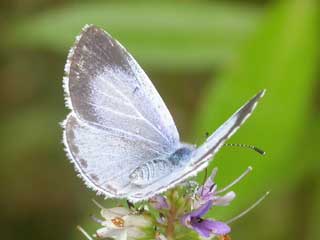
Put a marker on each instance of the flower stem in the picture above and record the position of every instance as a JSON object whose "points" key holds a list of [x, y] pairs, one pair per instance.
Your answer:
{"points": [[171, 218]]}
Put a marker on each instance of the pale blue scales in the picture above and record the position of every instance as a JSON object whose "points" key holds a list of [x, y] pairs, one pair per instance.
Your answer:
{"points": [[120, 135]]}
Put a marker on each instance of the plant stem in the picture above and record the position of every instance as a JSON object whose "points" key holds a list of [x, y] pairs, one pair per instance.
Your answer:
{"points": [[171, 218]]}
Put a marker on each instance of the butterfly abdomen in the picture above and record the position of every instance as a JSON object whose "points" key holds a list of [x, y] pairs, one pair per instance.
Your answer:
{"points": [[150, 171]]}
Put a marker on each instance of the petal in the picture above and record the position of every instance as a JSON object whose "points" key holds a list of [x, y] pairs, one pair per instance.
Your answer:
{"points": [[202, 210], [109, 213], [224, 200], [205, 189], [161, 220], [110, 225], [210, 180], [205, 193], [208, 227], [219, 228], [159, 236], [203, 233], [207, 197], [202, 229], [204, 199], [135, 233], [185, 220], [159, 202], [122, 235], [113, 233], [136, 221]]}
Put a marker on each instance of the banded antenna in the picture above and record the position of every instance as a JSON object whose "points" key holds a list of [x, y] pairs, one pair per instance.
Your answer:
{"points": [[254, 148]]}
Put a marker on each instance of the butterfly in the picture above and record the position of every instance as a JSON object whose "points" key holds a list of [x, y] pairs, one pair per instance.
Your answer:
{"points": [[119, 134]]}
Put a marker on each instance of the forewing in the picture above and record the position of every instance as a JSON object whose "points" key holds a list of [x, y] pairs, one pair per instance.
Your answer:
{"points": [[105, 158], [208, 149], [106, 87], [205, 152]]}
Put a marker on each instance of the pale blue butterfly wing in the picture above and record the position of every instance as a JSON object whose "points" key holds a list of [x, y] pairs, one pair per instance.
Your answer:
{"points": [[225, 131], [118, 119], [104, 158], [108, 88], [119, 124], [204, 153]]}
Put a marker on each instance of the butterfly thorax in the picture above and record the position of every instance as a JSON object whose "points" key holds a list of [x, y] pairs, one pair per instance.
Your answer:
{"points": [[181, 155], [155, 169]]}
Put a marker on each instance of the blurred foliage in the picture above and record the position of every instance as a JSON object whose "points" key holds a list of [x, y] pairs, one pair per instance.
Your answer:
{"points": [[281, 57], [272, 60], [170, 35], [206, 58]]}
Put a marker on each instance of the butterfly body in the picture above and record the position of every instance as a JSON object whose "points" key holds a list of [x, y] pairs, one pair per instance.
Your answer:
{"points": [[156, 169], [182, 155], [151, 171], [119, 134]]}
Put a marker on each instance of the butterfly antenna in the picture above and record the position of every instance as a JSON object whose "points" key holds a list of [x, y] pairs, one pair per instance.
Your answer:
{"points": [[248, 209], [84, 233], [238, 179], [254, 148]]}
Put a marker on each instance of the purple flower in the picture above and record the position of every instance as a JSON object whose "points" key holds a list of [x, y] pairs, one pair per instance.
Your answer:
{"points": [[159, 202], [205, 227], [208, 192]]}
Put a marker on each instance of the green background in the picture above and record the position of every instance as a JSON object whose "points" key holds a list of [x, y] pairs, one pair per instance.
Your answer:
{"points": [[206, 58]]}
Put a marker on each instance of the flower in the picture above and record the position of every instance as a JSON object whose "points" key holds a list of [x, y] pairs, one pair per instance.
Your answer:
{"points": [[204, 227], [122, 224], [160, 236], [188, 203], [159, 202], [208, 192]]}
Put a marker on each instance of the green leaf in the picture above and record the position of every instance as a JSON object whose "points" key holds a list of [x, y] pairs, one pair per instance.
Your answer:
{"points": [[281, 57], [310, 152], [160, 34], [314, 218], [31, 128]]}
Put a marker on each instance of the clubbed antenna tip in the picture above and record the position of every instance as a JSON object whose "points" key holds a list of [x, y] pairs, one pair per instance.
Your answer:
{"points": [[254, 148]]}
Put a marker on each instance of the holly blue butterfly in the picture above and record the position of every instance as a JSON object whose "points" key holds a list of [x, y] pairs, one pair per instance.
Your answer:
{"points": [[119, 133]]}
